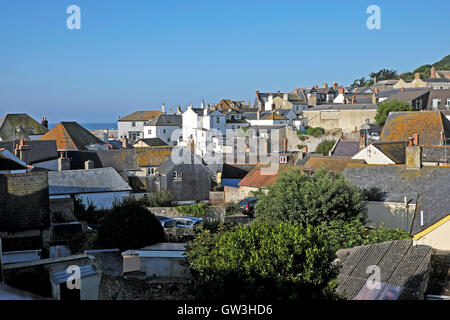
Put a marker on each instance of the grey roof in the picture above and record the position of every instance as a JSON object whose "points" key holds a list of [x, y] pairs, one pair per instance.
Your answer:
{"points": [[340, 106], [346, 148], [436, 154], [428, 187], [443, 94], [166, 246], [40, 150], [166, 120], [392, 92], [403, 269], [121, 160], [153, 142], [436, 80], [180, 156], [63, 276], [86, 181]]}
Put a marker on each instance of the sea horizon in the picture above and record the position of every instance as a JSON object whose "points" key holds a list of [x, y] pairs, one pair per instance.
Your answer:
{"points": [[92, 125]]}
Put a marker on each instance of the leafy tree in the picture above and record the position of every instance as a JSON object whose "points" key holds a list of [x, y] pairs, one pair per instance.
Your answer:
{"points": [[311, 199], [129, 225], [284, 261], [360, 82], [384, 74], [425, 71], [325, 146], [347, 234], [390, 106]]}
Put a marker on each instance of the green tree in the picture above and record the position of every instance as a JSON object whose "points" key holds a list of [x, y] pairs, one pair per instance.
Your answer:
{"points": [[384, 74], [325, 146], [158, 199], [129, 225], [311, 199], [390, 106], [347, 234], [263, 261]]}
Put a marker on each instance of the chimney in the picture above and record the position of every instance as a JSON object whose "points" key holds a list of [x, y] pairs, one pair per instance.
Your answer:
{"points": [[402, 89], [353, 99], [106, 136], [124, 141], [433, 73], [88, 165], [413, 157], [415, 137], [362, 140], [316, 86], [278, 91], [325, 85], [163, 108], [296, 92], [44, 122], [410, 142], [417, 76], [356, 90], [171, 110], [22, 150], [258, 114], [178, 110], [374, 98], [376, 90], [335, 85], [341, 90], [63, 163]]}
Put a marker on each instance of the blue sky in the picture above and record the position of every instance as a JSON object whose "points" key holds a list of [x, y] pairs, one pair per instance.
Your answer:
{"points": [[133, 55]]}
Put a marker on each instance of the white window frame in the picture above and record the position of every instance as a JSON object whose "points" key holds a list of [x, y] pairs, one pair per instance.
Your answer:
{"points": [[176, 175]]}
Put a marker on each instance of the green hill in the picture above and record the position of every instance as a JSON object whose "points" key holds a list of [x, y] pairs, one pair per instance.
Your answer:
{"points": [[424, 70]]}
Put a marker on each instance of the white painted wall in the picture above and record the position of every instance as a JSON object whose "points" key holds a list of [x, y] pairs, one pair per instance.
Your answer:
{"points": [[168, 134], [124, 127], [372, 156]]}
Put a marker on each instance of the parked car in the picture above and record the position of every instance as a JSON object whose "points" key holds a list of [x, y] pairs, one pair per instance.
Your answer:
{"points": [[167, 222], [188, 222], [374, 136], [247, 206]]}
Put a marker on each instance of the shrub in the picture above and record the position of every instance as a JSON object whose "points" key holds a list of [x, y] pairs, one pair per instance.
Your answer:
{"points": [[262, 261], [88, 213], [84, 241], [194, 210], [316, 132], [389, 106], [158, 199], [325, 146], [129, 225], [311, 199]]}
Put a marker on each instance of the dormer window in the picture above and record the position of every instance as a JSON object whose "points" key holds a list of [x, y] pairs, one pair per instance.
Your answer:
{"points": [[177, 175]]}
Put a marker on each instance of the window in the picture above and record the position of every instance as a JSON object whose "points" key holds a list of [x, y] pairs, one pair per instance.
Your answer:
{"points": [[217, 120], [168, 139], [176, 175], [164, 130], [133, 124], [149, 131], [150, 171], [437, 103], [283, 159]]}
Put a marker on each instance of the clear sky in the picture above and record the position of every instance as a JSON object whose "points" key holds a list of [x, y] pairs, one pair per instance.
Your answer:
{"points": [[133, 55]]}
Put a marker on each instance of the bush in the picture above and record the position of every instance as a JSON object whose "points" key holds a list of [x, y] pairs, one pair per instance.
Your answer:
{"points": [[325, 146], [344, 234], [84, 241], [316, 132], [158, 199], [262, 261], [311, 199], [129, 225], [88, 213], [390, 106], [195, 210]]}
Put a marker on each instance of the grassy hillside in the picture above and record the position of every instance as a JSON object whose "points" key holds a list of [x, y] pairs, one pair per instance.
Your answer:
{"points": [[424, 70]]}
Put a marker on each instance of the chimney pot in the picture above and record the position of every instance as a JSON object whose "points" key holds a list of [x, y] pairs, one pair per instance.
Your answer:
{"points": [[415, 137], [402, 89], [325, 85]]}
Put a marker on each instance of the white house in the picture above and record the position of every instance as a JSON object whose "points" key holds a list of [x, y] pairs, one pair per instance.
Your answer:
{"points": [[132, 126], [166, 127]]}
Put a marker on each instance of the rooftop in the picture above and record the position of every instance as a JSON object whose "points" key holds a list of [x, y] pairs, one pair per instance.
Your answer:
{"points": [[141, 116]]}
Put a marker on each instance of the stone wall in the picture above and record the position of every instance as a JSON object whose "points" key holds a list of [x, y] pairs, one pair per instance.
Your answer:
{"points": [[232, 194], [134, 288]]}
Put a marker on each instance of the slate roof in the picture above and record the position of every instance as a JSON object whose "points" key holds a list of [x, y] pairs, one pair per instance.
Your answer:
{"points": [[24, 202], [346, 148], [121, 160], [396, 151], [400, 126], [9, 161], [428, 187], [141, 116], [28, 126], [39, 151], [166, 120], [71, 136], [392, 92], [436, 80], [436, 154], [153, 142], [86, 181], [404, 270], [180, 156], [152, 157], [409, 95]]}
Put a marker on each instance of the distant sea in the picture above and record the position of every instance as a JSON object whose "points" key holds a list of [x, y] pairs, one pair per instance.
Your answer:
{"points": [[93, 125]]}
